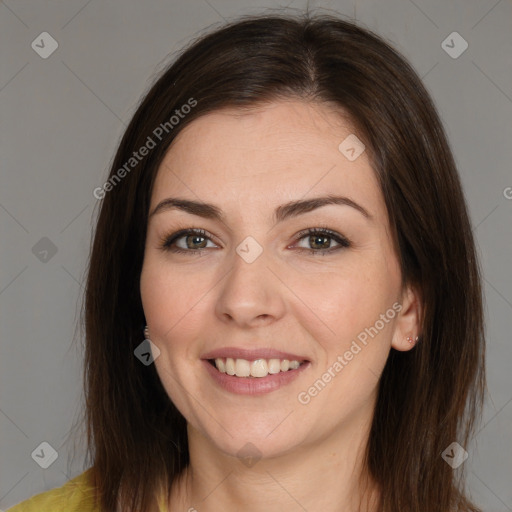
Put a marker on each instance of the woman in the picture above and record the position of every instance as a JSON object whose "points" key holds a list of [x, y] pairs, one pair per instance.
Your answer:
{"points": [[228, 365]]}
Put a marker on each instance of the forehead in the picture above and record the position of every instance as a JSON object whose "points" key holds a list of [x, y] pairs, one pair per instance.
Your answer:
{"points": [[281, 151]]}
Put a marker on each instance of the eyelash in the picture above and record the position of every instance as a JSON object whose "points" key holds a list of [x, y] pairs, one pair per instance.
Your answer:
{"points": [[167, 241]]}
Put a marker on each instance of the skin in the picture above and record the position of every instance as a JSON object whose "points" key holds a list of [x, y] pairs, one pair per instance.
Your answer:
{"points": [[248, 163]]}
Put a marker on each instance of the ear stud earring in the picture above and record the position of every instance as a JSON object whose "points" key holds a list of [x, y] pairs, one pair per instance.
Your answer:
{"points": [[410, 339]]}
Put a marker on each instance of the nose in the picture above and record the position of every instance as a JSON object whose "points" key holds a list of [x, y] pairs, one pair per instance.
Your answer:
{"points": [[251, 293]]}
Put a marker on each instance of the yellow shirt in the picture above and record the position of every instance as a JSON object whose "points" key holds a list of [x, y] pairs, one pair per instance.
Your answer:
{"points": [[76, 495]]}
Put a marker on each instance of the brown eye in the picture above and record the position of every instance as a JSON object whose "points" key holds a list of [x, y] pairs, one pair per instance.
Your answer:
{"points": [[319, 240], [195, 241]]}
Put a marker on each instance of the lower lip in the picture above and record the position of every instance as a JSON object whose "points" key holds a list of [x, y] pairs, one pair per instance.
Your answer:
{"points": [[253, 385]]}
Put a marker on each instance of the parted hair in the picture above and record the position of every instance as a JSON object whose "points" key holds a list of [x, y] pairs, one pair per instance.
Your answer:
{"points": [[428, 397]]}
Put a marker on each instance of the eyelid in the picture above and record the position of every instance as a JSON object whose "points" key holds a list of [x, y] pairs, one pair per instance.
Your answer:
{"points": [[167, 239], [324, 230], [343, 242]]}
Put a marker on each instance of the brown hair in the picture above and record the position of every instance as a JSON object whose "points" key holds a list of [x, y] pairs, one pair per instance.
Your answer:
{"points": [[428, 397]]}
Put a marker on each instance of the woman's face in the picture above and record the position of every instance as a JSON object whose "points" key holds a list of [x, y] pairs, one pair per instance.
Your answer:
{"points": [[255, 289]]}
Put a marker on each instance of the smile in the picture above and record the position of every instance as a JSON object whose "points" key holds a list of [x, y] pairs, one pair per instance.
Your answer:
{"points": [[258, 368], [257, 371]]}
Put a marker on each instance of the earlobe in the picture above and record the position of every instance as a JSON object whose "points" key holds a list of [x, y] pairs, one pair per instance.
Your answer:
{"points": [[408, 322], [404, 344]]}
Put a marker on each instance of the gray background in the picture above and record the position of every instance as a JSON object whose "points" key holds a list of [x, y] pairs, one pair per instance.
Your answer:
{"points": [[61, 120]]}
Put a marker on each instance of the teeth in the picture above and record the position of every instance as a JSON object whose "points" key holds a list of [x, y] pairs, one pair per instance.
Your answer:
{"points": [[242, 368], [274, 366], [220, 365], [257, 368], [230, 366]]}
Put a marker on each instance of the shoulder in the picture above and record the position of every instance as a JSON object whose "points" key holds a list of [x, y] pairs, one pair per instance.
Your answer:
{"points": [[76, 495]]}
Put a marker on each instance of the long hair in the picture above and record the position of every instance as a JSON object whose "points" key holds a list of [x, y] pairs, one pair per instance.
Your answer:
{"points": [[428, 397]]}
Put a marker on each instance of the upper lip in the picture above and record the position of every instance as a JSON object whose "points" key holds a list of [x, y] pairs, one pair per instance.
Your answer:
{"points": [[252, 354]]}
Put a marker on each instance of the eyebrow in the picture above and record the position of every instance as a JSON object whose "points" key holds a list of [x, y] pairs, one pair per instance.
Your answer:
{"points": [[281, 213]]}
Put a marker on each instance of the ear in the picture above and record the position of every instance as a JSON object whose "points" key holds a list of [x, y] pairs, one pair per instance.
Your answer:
{"points": [[408, 320]]}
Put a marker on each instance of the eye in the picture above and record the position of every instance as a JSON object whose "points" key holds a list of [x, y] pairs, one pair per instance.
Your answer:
{"points": [[195, 241], [192, 239], [318, 239]]}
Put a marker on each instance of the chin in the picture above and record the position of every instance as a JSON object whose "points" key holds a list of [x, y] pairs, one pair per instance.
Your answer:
{"points": [[267, 435], [252, 448]]}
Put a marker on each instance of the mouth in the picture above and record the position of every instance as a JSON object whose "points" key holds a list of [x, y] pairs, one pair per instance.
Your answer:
{"points": [[254, 371], [256, 368]]}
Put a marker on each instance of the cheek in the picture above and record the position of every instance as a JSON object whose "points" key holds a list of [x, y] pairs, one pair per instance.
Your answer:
{"points": [[167, 299], [353, 302], [359, 313]]}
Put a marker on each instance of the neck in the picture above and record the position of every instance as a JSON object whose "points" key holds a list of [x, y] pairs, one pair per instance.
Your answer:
{"points": [[326, 475]]}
